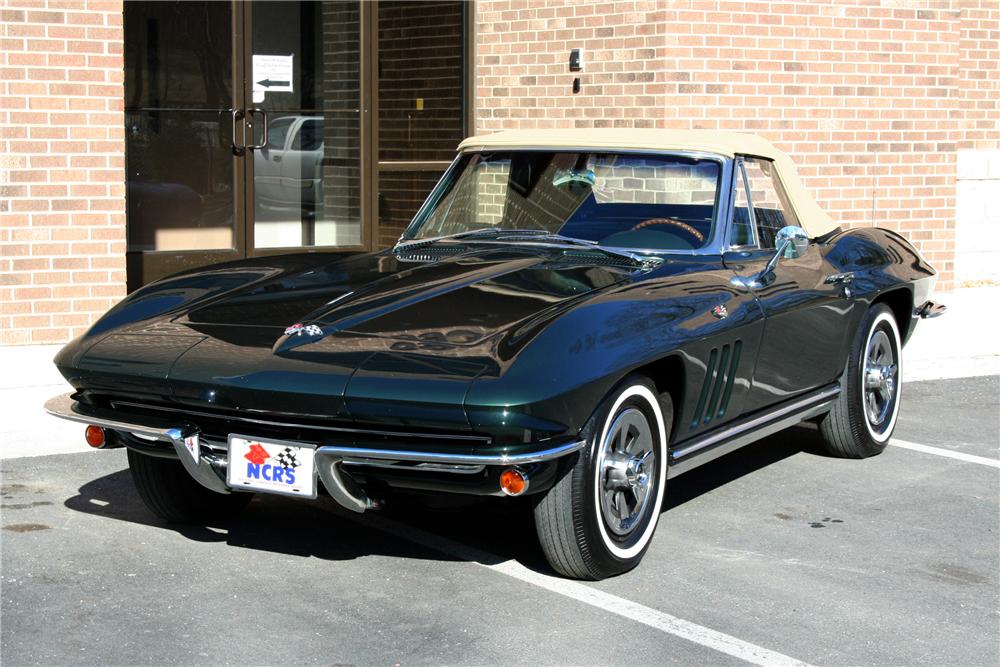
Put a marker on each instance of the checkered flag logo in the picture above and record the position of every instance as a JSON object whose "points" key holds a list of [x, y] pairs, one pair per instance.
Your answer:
{"points": [[287, 459]]}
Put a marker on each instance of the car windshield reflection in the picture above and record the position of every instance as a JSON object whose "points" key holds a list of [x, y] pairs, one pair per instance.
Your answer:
{"points": [[655, 202]]}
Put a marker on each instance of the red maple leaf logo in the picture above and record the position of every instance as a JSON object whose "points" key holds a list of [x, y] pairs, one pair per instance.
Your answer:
{"points": [[257, 454]]}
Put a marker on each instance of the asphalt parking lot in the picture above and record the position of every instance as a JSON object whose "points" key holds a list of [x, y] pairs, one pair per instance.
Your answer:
{"points": [[773, 554]]}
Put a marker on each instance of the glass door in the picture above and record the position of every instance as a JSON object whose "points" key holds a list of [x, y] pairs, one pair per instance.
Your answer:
{"points": [[183, 184], [265, 127], [304, 126]]}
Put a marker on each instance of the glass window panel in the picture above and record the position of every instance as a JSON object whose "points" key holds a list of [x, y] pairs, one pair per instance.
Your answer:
{"points": [[178, 54], [180, 180], [633, 201], [309, 193], [277, 131], [743, 231], [307, 181], [324, 41], [420, 68], [770, 205], [400, 195]]}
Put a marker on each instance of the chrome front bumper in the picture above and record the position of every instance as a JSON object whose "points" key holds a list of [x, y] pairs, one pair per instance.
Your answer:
{"points": [[929, 309], [210, 471]]}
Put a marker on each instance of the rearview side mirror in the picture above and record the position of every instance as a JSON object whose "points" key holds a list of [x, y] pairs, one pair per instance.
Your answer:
{"points": [[790, 242]]}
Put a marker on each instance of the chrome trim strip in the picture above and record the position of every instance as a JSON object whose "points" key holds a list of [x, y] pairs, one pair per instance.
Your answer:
{"points": [[589, 148], [713, 246], [386, 464], [203, 471], [930, 309], [744, 433], [269, 422], [460, 459], [64, 406]]}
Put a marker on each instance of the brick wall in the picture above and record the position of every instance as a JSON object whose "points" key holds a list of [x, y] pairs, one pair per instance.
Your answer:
{"points": [[62, 206], [872, 98]]}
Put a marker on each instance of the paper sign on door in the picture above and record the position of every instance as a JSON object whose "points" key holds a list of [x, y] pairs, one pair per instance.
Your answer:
{"points": [[272, 74]]}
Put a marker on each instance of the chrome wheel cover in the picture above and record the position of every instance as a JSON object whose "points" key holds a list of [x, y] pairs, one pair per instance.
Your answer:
{"points": [[879, 381], [627, 471]]}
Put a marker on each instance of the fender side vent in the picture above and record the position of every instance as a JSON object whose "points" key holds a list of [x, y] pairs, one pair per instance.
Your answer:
{"points": [[717, 389]]}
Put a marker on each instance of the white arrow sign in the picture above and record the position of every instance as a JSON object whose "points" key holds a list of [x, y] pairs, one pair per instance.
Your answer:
{"points": [[272, 74]]}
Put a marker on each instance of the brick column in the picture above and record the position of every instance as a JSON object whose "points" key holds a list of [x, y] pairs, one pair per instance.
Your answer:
{"points": [[62, 167]]}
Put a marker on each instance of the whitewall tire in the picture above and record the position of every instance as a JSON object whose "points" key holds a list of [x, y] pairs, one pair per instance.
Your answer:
{"points": [[599, 518]]}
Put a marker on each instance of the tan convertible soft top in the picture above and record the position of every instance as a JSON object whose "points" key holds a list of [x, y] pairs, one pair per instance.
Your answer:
{"points": [[812, 218]]}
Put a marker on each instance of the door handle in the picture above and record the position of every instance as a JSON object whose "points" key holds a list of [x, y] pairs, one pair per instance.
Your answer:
{"points": [[843, 281], [237, 115], [839, 279], [253, 111], [276, 158]]}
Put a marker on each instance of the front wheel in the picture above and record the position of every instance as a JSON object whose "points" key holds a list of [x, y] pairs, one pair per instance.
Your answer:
{"points": [[171, 493], [598, 519], [864, 416]]}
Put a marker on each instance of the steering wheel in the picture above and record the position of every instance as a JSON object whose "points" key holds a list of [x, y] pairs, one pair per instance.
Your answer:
{"points": [[683, 226]]}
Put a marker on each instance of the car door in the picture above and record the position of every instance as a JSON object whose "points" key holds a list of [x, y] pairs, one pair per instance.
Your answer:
{"points": [[301, 162], [806, 303], [267, 163]]}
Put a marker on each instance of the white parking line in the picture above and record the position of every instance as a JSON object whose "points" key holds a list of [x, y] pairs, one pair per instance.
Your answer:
{"points": [[634, 611], [951, 454]]}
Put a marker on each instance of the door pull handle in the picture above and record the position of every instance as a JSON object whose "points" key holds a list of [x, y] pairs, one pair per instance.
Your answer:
{"points": [[252, 112], [839, 279], [843, 281], [237, 116]]}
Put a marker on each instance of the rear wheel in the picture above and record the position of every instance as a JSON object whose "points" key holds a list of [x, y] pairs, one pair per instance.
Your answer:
{"points": [[598, 519], [864, 416], [171, 493]]}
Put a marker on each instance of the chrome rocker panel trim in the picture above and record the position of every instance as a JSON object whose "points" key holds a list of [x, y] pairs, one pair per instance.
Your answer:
{"points": [[710, 446]]}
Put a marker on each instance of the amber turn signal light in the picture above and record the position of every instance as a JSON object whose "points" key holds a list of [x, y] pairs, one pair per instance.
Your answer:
{"points": [[95, 436], [513, 481]]}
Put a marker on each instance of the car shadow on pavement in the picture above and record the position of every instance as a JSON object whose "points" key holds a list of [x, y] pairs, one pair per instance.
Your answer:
{"points": [[802, 439], [270, 523], [501, 528]]}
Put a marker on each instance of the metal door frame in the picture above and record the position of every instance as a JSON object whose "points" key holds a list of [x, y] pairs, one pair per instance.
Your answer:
{"points": [[144, 266], [246, 68]]}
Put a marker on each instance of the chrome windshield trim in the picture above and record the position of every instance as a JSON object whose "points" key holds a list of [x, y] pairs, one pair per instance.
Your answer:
{"points": [[714, 245], [699, 155]]}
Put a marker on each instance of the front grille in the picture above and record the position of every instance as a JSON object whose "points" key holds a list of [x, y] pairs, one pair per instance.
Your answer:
{"points": [[217, 424]]}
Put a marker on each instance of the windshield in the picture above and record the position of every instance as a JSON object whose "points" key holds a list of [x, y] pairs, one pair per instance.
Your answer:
{"points": [[655, 202]]}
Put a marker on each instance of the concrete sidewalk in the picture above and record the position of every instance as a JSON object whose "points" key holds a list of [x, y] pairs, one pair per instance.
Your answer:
{"points": [[962, 343]]}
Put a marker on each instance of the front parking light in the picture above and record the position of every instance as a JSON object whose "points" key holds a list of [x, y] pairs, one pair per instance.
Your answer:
{"points": [[513, 481], [95, 436]]}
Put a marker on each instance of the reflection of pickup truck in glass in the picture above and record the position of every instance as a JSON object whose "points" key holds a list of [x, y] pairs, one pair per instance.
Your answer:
{"points": [[287, 171]]}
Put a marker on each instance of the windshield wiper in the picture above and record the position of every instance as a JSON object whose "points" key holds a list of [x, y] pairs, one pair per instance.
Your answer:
{"points": [[471, 233], [546, 237], [535, 235]]}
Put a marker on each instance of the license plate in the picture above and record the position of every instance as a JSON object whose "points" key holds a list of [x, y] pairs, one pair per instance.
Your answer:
{"points": [[271, 466]]}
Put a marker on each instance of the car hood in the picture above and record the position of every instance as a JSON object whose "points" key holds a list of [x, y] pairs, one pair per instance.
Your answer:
{"points": [[461, 298], [382, 337]]}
